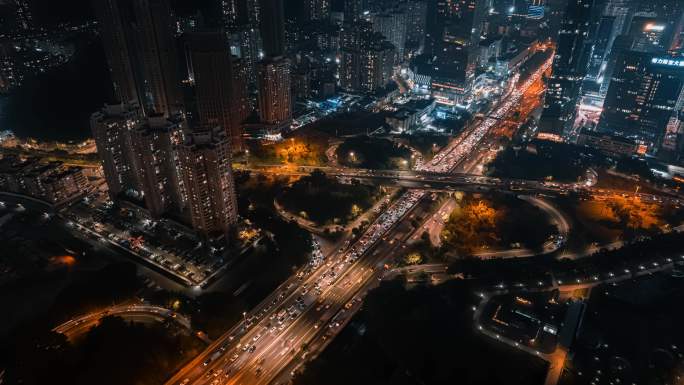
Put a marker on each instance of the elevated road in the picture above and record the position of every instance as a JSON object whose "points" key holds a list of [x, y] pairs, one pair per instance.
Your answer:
{"points": [[426, 180], [132, 312], [310, 308]]}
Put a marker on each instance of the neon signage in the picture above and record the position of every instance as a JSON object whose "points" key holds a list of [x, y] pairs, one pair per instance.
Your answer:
{"points": [[668, 62]]}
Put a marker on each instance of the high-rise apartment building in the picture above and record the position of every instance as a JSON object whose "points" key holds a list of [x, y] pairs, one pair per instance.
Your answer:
{"points": [[416, 18], [111, 128], [154, 145], [139, 157], [367, 59], [218, 98], [376, 63], [205, 159], [392, 24], [275, 95], [245, 42], [139, 44]]}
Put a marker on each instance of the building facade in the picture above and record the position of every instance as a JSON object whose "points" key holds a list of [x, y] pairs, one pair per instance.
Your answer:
{"points": [[141, 52], [644, 93], [205, 159], [275, 94]]}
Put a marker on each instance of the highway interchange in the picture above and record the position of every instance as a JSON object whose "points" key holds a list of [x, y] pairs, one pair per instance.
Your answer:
{"points": [[307, 310]]}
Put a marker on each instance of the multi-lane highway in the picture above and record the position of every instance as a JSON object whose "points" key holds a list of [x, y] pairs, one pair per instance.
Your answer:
{"points": [[311, 307]]}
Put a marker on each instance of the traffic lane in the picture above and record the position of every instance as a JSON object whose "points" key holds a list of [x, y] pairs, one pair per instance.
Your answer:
{"points": [[338, 297], [453, 156], [324, 337], [393, 209]]}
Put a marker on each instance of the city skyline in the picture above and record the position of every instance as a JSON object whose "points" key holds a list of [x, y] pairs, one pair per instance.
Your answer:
{"points": [[382, 192]]}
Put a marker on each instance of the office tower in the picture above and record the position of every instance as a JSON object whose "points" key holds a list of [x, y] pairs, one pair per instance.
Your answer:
{"points": [[154, 146], [272, 27], [643, 95], [275, 99], [111, 129], [317, 9], [138, 39], [392, 25], [569, 68], [651, 33], [205, 168], [416, 15], [217, 95]]}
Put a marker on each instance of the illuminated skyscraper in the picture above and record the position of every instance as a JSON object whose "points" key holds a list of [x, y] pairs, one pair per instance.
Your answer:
{"points": [[644, 93], [275, 96], [139, 156], [205, 160], [416, 17], [111, 128], [154, 145]]}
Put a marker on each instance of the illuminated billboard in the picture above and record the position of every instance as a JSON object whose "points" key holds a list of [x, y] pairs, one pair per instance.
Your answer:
{"points": [[670, 62]]}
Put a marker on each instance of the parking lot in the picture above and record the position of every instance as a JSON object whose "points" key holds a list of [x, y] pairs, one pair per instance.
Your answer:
{"points": [[162, 244]]}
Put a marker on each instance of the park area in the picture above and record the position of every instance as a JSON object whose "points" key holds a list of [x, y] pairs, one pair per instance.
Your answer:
{"points": [[374, 153], [610, 220], [483, 223], [542, 160], [298, 150], [324, 200], [422, 335]]}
